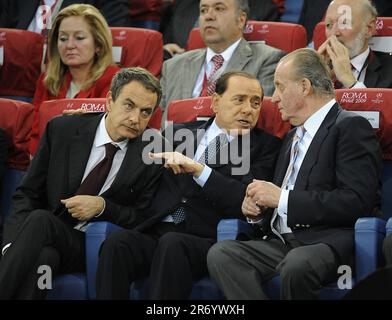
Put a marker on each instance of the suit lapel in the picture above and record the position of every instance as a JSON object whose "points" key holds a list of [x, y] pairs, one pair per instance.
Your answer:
{"points": [[284, 159], [241, 56], [80, 149], [372, 71], [190, 74], [313, 152]]}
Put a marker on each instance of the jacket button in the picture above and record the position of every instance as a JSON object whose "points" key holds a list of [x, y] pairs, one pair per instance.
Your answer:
{"points": [[297, 225], [184, 200], [307, 226]]}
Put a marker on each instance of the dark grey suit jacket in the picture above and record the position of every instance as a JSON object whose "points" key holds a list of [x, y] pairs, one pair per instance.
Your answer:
{"points": [[179, 74], [337, 182], [379, 71], [18, 14], [57, 169]]}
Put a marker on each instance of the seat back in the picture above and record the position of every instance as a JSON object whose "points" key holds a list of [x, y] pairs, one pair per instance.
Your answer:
{"points": [[282, 35], [200, 109], [21, 64], [137, 47], [381, 41], [16, 119], [51, 108]]}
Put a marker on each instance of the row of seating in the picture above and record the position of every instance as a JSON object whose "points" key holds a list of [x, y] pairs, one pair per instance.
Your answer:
{"points": [[22, 50], [369, 232]]}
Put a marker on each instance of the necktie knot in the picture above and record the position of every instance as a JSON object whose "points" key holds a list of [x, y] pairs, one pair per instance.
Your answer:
{"points": [[218, 61], [111, 150]]}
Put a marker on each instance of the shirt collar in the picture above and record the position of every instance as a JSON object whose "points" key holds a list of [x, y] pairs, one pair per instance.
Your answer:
{"points": [[225, 54], [313, 123], [359, 61], [102, 136], [214, 130]]}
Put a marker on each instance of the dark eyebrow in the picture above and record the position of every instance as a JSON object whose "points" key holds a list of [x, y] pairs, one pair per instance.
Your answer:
{"points": [[129, 100]]}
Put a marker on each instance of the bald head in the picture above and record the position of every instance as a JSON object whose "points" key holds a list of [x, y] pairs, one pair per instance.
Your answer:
{"points": [[353, 22]]}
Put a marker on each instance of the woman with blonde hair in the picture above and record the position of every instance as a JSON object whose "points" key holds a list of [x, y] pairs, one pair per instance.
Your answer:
{"points": [[80, 62]]}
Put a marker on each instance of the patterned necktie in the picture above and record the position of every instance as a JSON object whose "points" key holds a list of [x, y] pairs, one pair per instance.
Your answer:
{"points": [[299, 133], [213, 148], [218, 62], [208, 156]]}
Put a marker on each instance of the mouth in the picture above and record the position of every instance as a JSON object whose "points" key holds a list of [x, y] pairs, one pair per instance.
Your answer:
{"points": [[244, 123], [133, 130], [209, 28]]}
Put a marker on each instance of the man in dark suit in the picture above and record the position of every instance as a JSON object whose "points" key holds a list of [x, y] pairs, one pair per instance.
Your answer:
{"points": [[326, 178], [87, 168], [195, 72], [171, 247], [350, 24], [19, 14]]}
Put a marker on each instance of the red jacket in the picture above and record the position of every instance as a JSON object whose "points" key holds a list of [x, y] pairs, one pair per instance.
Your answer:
{"points": [[98, 90]]}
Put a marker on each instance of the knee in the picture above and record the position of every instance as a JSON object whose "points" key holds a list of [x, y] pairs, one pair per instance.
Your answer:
{"points": [[113, 242], [171, 242], [49, 256], [39, 217], [294, 266], [219, 255]]}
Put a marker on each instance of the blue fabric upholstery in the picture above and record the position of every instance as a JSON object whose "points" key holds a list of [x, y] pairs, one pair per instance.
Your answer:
{"points": [[69, 287], [293, 10], [153, 25], [19, 98]]}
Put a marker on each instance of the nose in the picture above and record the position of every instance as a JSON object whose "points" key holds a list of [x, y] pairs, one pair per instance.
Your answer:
{"points": [[246, 107], [275, 97], [133, 115], [209, 14], [70, 42]]}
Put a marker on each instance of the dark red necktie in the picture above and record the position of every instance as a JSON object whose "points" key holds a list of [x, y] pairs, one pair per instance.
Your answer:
{"points": [[95, 180]]}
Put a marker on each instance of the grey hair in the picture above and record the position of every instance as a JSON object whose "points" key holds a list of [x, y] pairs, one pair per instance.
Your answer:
{"points": [[310, 65], [127, 75], [369, 8], [242, 5]]}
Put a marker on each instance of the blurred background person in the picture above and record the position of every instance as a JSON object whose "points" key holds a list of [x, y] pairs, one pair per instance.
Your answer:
{"points": [[347, 51], [80, 62], [22, 14]]}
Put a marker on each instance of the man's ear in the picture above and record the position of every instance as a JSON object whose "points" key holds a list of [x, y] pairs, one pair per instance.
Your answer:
{"points": [[242, 19], [109, 101], [215, 103], [306, 86], [371, 28]]}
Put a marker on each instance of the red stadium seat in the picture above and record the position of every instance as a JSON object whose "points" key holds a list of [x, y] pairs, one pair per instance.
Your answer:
{"points": [[270, 119], [381, 41], [136, 47], [376, 105], [16, 118], [190, 110], [200, 109], [21, 65], [50, 109], [282, 35]]}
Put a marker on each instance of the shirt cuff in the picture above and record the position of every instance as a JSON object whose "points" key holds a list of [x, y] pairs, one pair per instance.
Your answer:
{"points": [[103, 209], [205, 174], [5, 248], [283, 201], [358, 85], [254, 222]]}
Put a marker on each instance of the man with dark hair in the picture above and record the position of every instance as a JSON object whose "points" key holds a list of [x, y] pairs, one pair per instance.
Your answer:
{"points": [[206, 185], [195, 72], [349, 26], [87, 168], [326, 178]]}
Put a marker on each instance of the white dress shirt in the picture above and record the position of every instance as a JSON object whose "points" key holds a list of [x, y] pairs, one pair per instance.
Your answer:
{"points": [[227, 54], [36, 23], [311, 125], [359, 73]]}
